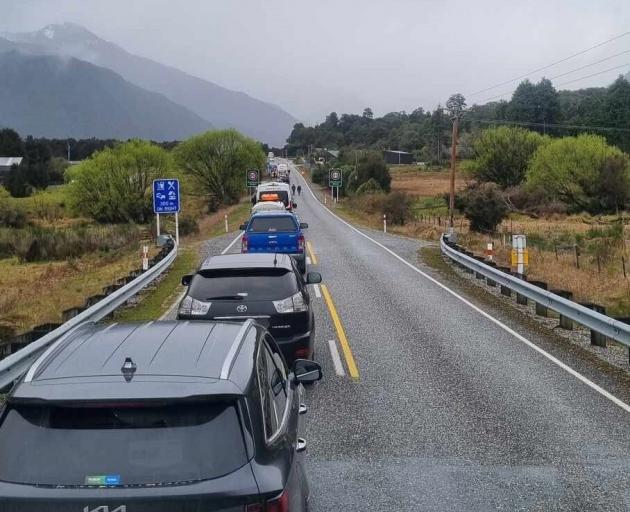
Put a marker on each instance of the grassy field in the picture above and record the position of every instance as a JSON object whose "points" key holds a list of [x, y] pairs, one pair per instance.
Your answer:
{"points": [[37, 293]]}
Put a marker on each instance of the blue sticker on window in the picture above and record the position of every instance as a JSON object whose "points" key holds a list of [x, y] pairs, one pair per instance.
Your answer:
{"points": [[101, 480]]}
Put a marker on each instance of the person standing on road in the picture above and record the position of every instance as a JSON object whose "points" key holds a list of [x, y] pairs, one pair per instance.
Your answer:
{"points": [[299, 189], [293, 189]]}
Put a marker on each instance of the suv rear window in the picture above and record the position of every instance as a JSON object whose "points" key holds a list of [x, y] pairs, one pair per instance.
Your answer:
{"points": [[75, 446], [253, 284], [283, 195], [272, 224]]}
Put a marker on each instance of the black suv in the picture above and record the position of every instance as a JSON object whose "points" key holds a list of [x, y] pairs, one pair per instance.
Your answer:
{"points": [[162, 416], [266, 287]]}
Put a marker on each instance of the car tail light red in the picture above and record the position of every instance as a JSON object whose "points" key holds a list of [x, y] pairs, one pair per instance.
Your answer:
{"points": [[279, 504], [244, 243], [301, 243], [301, 353]]}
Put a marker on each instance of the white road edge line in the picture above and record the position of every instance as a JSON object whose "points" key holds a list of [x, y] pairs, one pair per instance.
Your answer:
{"points": [[308, 260], [511, 331], [318, 292], [181, 295], [334, 353]]}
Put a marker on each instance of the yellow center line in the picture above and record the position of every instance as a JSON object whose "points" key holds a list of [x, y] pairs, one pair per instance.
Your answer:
{"points": [[309, 248], [345, 346]]}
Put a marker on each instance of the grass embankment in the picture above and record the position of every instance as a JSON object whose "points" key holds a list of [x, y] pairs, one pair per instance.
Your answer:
{"points": [[551, 241], [156, 300]]}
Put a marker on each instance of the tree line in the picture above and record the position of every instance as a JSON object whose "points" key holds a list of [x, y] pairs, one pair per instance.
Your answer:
{"points": [[427, 134], [114, 185]]}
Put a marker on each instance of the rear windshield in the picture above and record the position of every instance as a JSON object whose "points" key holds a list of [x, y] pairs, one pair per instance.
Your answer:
{"points": [[246, 284], [75, 446], [283, 195], [282, 223]]}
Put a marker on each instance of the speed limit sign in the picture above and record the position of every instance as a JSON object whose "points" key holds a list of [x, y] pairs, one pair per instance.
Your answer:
{"points": [[252, 178], [335, 177]]}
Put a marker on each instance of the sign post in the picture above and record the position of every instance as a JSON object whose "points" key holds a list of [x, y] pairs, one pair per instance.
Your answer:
{"points": [[253, 178], [335, 180], [520, 257], [166, 200]]}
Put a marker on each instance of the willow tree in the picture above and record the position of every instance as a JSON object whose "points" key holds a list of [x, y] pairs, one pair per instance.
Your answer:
{"points": [[218, 161]]}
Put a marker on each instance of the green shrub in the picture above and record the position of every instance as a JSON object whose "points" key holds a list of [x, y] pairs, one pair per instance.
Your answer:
{"points": [[483, 205], [12, 216], [369, 187], [46, 244], [397, 207]]}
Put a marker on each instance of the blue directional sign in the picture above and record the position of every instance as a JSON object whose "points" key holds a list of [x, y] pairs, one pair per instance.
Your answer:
{"points": [[166, 196]]}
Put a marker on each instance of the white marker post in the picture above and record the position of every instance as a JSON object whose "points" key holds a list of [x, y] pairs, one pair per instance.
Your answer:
{"points": [[384, 223], [145, 257], [226, 224], [177, 228]]}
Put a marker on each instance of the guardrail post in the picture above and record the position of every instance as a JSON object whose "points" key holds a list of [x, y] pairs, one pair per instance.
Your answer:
{"points": [[491, 282], [541, 310], [504, 289], [597, 338], [565, 323]]}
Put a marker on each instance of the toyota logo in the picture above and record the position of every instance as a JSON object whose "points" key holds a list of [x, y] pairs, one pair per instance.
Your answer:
{"points": [[241, 308]]}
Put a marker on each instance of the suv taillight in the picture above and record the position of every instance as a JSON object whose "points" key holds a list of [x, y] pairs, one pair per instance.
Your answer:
{"points": [[244, 244], [279, 504], [301, 244]]}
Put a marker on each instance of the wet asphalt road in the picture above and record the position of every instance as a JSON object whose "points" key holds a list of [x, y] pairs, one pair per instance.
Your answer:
{"points": [[450, 411]]}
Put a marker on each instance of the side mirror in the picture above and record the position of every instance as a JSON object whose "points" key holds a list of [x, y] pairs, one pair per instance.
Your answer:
{"points": [[303, 225], [306, 371], [294, 205], [187, 279], [313, 278], [243, 227]]}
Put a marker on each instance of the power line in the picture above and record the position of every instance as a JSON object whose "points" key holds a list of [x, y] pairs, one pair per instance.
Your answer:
{"points": [[595, 74], [573, 71], [550, 65], [589, 65], [552, 125]]}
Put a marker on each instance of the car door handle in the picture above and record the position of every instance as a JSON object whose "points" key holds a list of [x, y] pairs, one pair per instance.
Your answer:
{"points": [[303, 409], [301, 445]]}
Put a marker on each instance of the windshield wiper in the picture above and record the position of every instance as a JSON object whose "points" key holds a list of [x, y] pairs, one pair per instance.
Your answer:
{"points": [[226, 297]]}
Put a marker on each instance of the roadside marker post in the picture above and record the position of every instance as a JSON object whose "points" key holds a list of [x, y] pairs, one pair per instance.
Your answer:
{"points": [[166, 200], [145, 257], [384, 223], [520, 259], [226, 223]]}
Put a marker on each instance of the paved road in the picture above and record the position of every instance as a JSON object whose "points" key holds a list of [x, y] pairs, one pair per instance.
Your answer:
{"points": [[450, 410]]}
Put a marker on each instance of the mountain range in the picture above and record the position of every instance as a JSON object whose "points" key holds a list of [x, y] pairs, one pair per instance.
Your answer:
{"points": [[202, 102]]}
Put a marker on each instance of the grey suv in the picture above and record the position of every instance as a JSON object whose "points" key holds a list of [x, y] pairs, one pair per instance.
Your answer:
{"points": [[162, 416]]}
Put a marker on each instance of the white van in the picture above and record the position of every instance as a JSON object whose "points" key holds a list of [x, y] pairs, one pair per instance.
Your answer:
{"points": [[282, 190]]}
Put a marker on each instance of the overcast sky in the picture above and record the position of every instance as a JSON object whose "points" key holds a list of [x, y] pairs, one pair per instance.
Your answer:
{"points": [[313, 57]]}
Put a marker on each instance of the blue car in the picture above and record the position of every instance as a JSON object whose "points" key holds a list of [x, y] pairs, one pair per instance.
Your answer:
{"points": [[279, 232]]}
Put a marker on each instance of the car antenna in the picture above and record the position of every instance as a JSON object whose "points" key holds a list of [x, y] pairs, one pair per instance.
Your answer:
{"points": [[275, 258], [128, 369]]}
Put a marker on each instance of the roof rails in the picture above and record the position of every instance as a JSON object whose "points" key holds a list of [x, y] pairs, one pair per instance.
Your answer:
{"points": [[57, 345], [235, 348]]}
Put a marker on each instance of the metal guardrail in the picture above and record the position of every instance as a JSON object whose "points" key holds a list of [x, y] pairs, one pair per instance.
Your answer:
{"points": [[597, 322], [16, 364]]}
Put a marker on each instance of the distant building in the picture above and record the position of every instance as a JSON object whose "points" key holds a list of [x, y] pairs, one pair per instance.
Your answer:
{"points": [[397, 157], [6, 162]]}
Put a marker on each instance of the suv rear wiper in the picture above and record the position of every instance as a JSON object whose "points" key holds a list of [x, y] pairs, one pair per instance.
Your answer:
{"points": [[226, 297]]}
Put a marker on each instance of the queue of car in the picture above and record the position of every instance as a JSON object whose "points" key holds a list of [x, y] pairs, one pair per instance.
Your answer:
{"points": [[202, 413]]}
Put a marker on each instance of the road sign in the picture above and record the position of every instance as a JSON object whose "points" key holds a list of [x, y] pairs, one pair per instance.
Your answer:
{"points": [[252, 178], [166, 196], [335, 178]]}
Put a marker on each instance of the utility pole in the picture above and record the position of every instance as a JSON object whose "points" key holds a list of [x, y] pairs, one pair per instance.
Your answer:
{"points": [[68, 148], [451, 202]]}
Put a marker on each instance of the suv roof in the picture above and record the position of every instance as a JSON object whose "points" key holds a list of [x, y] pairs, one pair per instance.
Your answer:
{"points": [[172, 360], [247, 260]]}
